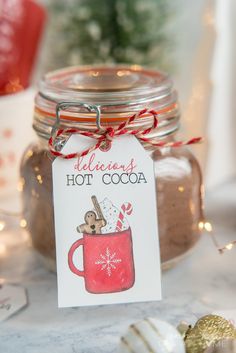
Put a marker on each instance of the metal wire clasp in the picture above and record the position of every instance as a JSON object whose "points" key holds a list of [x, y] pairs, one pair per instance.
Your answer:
{"points": [[67, 104]]}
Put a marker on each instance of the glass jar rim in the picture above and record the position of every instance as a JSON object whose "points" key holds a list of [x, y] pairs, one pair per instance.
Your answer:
{"points": [[118, 90], [105, 84]]}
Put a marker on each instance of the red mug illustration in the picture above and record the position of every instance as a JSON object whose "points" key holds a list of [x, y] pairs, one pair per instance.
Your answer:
{"points": [[108, 261]]}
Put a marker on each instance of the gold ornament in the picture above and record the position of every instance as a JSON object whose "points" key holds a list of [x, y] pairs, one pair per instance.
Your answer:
{"points": [[208, 331], [223, 346]]}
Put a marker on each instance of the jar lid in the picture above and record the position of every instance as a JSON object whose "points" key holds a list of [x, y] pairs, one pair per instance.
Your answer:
{"points": [[119, 92], [103, 85]]}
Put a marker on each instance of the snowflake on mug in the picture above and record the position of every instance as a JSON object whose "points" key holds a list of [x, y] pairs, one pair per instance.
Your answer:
{"points": [[108, 262]]}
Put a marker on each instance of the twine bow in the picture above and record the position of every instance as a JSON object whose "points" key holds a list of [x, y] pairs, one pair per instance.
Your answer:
{"points": [[105, 136]]}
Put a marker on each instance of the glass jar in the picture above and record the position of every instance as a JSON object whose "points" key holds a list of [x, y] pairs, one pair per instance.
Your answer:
{"points": [[119, 91]]}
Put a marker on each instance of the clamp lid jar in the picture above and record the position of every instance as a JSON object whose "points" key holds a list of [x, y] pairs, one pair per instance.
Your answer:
{"points": [[118, 92]]}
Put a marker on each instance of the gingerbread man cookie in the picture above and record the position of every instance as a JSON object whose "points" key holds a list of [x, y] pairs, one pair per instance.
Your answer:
{"points": [[92, 225]]}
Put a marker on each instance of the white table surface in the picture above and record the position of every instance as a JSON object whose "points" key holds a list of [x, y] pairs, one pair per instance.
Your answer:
{"points": [[201, 284]]}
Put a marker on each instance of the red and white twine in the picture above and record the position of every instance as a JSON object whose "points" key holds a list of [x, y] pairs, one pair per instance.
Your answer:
{"points": [[105, 136]]}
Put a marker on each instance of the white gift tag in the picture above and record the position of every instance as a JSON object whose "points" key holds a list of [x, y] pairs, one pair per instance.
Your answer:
{"points": [[106, 224], [12, 299]]}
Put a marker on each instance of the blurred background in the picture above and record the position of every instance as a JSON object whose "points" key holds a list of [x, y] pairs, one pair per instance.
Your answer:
{"points": [[192, 40]]}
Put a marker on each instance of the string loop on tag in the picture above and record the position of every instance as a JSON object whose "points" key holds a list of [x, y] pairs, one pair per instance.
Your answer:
{"points": [[104, 136]]}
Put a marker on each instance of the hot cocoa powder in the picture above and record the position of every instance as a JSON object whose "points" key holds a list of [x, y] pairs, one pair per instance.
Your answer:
{"points": [[178, 201]]}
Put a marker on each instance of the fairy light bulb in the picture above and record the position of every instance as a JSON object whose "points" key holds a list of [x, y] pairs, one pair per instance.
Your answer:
{"points": [[2, 225], [208, 226], [229, 246], [23, 223], [39, 178], [201, 225], [21, 184]]}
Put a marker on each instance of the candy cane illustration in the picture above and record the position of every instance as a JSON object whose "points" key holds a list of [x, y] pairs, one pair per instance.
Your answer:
{"points": [[127, 209]]}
